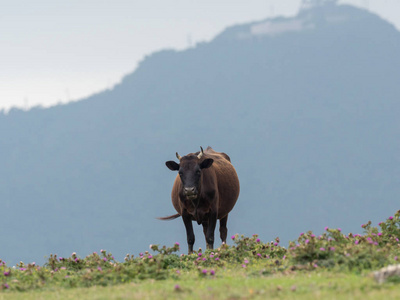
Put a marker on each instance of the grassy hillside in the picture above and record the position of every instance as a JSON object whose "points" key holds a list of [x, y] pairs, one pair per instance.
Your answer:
{"points": [[329, 266], [317, 285]]}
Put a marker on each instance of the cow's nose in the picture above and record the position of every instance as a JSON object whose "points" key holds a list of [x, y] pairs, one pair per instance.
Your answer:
{"points": [[190, 190]]}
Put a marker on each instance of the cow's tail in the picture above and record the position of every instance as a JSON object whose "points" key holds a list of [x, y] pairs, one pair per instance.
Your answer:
{"points": [[169, 217]]}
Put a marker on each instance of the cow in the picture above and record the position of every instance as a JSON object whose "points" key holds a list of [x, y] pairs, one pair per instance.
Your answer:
{"points": [[205, 190]]}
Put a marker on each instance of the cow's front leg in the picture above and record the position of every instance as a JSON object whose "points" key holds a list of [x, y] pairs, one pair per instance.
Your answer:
{"points": [[212, 221], [222, 228], [187, 220], [205, 226]]}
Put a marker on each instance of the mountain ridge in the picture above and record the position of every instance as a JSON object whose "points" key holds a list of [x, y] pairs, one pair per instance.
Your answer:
{"points": [[308, 118]]}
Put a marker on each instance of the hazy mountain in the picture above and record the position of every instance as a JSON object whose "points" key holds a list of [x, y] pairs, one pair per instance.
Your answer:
{"points": [[306, 107]]}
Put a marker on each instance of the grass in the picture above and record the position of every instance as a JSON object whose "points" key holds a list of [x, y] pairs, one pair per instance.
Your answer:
{"points": [[298, 285], [330, 266]]}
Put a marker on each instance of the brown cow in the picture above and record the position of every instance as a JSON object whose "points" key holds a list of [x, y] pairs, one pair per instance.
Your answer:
{"points": [[206, 189]]}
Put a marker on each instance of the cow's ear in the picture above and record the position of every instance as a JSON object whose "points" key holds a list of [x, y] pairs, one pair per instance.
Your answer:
{"points": [[206, 163], [173, 166]]}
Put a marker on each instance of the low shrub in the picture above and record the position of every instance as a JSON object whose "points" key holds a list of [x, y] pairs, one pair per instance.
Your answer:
{"points": [[332, 250]]}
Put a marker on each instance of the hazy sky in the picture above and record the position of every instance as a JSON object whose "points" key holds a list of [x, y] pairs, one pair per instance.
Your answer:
{"points": [[55, 51]]}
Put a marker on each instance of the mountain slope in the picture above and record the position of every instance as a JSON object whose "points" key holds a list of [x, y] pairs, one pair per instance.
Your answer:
{"points": [[306, 107]]}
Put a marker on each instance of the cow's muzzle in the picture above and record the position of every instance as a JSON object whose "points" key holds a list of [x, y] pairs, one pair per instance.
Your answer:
{"points": [[190, 192]]}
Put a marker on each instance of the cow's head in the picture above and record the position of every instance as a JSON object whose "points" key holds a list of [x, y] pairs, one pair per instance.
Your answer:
{"points": [[190, 168]]}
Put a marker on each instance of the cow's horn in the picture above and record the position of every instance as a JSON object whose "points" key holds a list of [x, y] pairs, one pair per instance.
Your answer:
{"points": [[178, 156], [201, 153]]}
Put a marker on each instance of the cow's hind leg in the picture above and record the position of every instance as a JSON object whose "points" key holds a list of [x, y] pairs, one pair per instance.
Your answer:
{"points": [[222, 228]]}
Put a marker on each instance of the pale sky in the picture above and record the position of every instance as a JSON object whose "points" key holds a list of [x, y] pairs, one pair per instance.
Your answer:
{"points": [[54, 51]]}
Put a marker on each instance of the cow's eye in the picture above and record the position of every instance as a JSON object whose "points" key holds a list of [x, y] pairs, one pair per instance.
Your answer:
{"points": [[180, 173]]}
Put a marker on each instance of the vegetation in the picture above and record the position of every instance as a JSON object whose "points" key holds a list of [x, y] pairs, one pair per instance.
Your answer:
{"points": [[329, 265], [309, 118]]}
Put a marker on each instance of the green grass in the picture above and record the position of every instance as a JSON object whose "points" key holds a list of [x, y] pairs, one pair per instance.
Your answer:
{"points": [[297, 285], [330, 266]]}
